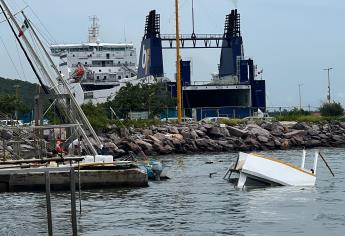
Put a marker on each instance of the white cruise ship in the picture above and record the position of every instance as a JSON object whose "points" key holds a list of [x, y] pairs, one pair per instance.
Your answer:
{"points": [[95, 70]]}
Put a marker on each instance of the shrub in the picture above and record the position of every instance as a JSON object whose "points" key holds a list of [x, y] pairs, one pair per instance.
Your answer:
{"points": [[231, 122], [96, 115], [331, 109]]}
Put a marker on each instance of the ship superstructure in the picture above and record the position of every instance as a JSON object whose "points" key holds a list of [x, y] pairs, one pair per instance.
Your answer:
{"points": [[95, 70], [233, 91]]}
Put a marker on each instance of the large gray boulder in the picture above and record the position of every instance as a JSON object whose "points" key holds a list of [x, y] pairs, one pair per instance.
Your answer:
{"points": [[301, 126], [110, 145], [173, 130], [215, 132], [124, 132], [294, 133], [162, 149], [206, 144], [256, 130], [144, 145], [226, 145], [147, 132], [200, 133], [186, 133], [194, 134], [236, 132], [262, 139]]}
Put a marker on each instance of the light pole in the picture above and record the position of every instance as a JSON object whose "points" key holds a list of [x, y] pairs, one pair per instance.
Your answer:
{"points": [[300, 97], [329, 84]]}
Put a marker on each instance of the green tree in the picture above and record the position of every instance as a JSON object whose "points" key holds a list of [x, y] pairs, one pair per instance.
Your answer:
{"points": [[9, 104], [142, 97], [331, 109], [96, 114]]}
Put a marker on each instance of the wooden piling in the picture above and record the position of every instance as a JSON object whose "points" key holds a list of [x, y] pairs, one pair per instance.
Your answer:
{"points": [[73, 203], [79, 187], [49, 208]]}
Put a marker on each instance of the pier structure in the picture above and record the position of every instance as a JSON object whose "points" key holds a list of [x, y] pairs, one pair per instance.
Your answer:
{"points": [[233, 91]]}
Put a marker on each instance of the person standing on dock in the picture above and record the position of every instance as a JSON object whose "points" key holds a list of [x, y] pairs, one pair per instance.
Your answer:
{"points": [[75, 147], [58, 146]]}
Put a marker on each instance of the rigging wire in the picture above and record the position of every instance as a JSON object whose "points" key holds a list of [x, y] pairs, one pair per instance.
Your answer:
{"points": [[40, 33], [52, 39], [20, 63], [11, 59], [15, 14]]}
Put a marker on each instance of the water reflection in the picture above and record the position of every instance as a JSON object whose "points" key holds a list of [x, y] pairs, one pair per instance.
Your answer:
{"points": [[192, 203]]}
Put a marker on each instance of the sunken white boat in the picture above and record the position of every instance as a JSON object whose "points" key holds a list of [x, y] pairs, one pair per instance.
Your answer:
{"points": [[256, 170]]}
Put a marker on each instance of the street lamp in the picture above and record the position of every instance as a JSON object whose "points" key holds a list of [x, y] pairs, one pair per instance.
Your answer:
{"points": [[329, 84], [300, 97]]}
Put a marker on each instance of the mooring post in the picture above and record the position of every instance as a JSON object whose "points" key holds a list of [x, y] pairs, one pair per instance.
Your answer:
{"points": [[79, 187], [49, 207], [73, 205]]}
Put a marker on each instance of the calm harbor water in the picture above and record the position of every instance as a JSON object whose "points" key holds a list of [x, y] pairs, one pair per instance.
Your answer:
{"points": [[192, 203]]}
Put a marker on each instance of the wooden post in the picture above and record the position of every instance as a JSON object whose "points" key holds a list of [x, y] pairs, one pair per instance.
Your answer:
{"points": [[49, 208], [73, 205], [79, 187]]}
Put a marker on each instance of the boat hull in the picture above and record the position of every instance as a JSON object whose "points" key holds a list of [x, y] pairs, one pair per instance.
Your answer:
{"points": [[272, 171]]}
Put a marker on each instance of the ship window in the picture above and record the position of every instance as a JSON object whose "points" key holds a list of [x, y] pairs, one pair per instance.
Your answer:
{"points": [[108, 55], [126, 76], [86, 63], [119, 77], [100, 70], [73, 55], [88, 95], [97, 77], [105, 77]]}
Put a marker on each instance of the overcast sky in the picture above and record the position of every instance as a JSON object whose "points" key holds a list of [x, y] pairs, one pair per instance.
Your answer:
{"points": [[292, 40]]}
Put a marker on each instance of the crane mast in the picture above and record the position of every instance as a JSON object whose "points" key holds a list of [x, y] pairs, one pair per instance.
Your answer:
{"points": [[69, 107]]}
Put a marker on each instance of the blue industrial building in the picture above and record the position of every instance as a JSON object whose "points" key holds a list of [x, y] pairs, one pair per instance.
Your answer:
{"points": [[233, 92]]}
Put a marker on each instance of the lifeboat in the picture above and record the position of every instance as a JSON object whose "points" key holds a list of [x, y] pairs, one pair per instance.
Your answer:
{"points": [[79, 71]]}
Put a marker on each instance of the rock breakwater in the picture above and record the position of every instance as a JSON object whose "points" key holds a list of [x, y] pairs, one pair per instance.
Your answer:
{"points": [[196, 138]]}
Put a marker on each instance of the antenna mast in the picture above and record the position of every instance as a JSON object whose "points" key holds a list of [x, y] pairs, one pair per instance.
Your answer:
{"points": [[93, 29]]}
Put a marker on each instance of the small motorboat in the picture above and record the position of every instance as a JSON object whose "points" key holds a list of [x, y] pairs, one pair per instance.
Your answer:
{"points": [[256, 170], [155, 170]]}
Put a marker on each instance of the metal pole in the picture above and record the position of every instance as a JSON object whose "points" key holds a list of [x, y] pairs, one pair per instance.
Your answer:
{"points": [[329, 84], [324, 160], [73, 205], [49, 207], [178, 66], [300, 97], [193, 34]]}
